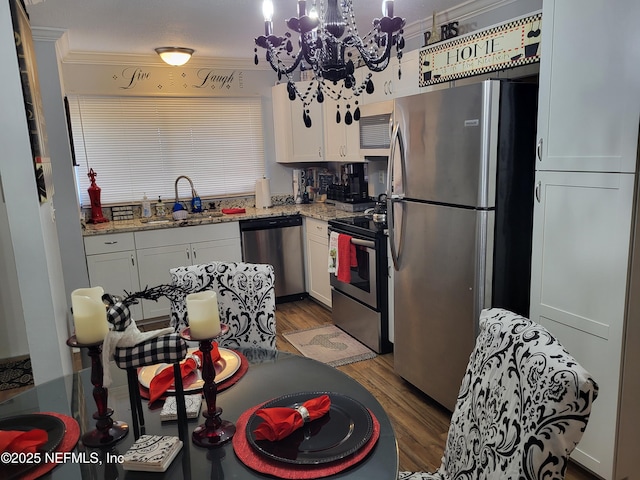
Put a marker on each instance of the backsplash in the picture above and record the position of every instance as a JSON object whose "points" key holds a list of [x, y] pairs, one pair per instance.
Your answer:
{"points": [[130, 212]]}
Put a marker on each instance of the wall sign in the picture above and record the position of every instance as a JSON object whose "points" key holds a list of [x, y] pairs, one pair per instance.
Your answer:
{"points": [[32, 100], [143, 80], [506, 46]]}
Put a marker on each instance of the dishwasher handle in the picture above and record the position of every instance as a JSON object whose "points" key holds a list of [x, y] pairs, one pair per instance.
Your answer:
{"points": [[270, 222]]}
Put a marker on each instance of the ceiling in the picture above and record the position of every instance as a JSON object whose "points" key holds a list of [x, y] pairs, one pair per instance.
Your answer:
{"points": [[213, 28]]}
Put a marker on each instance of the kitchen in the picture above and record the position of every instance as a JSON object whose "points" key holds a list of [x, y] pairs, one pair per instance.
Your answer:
{"points": [[280, 177]]}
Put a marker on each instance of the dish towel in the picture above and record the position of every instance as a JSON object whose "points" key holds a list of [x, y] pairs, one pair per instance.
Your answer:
{"points": [[333, 252], [280, 422], [346, 258], [19, 441], [163, 380]]}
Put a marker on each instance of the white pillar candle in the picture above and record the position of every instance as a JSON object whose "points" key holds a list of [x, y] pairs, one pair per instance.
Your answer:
{"points": [[204, 318], [89, 315]]}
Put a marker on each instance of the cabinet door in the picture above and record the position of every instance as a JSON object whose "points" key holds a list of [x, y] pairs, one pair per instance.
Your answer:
{"points": [[580, 258], [216, 250], [317, 260], [383, 82], [407, 84], [341, 141], [282, 123], [153, 267], [589, 95], [306, 142], [116, 273]]}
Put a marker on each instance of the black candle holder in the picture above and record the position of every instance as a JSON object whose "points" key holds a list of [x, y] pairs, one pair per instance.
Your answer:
{"points": [[215, 431], [107, 432]]}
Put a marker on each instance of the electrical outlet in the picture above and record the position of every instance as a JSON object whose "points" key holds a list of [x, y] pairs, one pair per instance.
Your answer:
{"points": [[381, 176]]}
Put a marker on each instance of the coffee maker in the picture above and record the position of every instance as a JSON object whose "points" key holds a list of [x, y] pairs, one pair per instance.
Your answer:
{"points": [[354, 178]]}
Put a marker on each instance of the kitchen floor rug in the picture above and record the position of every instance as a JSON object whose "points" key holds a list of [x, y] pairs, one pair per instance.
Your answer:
{"points": [[15, 373], [328, 344]]}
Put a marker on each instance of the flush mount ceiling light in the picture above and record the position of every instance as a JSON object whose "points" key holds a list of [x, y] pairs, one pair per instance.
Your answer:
{"points": [[175, 56], [330, 47]]}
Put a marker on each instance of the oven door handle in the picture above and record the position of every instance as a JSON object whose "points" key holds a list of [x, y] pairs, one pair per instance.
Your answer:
{"points": [[364, 243]]}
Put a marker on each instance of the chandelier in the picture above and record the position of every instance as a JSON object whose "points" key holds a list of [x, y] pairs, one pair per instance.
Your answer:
{"points": [[330, 48]]}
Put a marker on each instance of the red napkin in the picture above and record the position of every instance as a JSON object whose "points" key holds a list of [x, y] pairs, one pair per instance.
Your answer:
{"points": [[279, 422], [346, 258], [233, 210], [19, 441], [163, 380]]}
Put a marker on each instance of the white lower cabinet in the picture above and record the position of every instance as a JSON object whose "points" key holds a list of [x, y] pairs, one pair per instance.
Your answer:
{"points": [[112, 265], [580, 267], [132, 261], [317, 244], [160, 250]]}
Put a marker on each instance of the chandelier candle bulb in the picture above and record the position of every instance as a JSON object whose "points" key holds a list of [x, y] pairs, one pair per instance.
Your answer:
{"points": [[387, 8], [89, 315], [204, 318]]}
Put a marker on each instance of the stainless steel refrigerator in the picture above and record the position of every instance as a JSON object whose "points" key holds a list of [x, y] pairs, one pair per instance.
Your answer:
{"points": [[460, 210]]}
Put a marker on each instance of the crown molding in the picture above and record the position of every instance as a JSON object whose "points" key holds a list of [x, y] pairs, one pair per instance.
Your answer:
{"points": [[47, 34], [464, 11]]}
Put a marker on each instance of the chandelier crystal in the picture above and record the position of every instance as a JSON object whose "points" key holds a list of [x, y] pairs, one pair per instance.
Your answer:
{"points": [[330, 47]]}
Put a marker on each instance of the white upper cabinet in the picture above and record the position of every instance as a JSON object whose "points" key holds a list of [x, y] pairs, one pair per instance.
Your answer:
{"points": [[341, 141], [407, 84], [295, 142], [589, 94]]}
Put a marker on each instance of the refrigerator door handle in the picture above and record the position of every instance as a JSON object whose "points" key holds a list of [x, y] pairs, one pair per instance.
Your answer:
{"points": [[396, 140]]}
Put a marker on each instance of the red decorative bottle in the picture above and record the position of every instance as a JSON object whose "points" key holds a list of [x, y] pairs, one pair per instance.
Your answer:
{"points": [[94, 195]]}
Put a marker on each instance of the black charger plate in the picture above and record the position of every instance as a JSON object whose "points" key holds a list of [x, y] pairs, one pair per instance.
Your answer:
{"points": [[344, 430], [54, 427]]}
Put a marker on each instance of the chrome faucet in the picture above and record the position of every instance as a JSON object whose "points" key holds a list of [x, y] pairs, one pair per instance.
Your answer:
{"points": [[196, 203]]}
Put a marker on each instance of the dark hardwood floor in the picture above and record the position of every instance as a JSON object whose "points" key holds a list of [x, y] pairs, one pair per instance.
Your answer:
{"points": [[420, 424]]}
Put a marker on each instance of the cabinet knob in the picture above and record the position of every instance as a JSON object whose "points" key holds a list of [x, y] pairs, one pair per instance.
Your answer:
{"points": [[133, 261], [113, 242], [538, 187]]}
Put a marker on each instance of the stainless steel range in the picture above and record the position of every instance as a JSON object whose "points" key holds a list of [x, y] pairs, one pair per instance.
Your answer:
{"points": [[360, 307]]}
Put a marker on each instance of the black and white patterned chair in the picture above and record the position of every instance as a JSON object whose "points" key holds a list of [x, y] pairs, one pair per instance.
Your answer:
{"points": [[522, 408], [246, 301]]}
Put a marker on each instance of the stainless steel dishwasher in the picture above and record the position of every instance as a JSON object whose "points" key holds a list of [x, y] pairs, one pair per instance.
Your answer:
{"points": [[277, 241]]}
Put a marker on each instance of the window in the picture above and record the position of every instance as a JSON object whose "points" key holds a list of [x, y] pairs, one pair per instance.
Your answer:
{"points": [[140, 145]]}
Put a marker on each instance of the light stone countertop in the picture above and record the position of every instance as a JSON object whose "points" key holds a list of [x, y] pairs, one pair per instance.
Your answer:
{"points": [[320, 211]]}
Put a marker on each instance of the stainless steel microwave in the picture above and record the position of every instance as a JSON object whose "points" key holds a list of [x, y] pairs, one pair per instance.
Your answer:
{"points": [[375, 129]]}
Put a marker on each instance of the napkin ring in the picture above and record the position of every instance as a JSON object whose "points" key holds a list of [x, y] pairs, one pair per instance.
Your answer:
{"points": [[195, 358], [304, 413]]}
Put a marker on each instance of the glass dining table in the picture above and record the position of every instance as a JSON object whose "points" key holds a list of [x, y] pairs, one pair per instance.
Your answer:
{"points": [[270, 375]]}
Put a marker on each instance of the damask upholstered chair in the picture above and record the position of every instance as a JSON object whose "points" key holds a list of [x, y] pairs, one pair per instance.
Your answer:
{"points": [[246, 301], [522, 408]]}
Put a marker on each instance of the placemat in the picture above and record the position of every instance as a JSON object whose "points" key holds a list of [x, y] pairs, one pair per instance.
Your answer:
{"points": [[232, 380], [69, 441], [262, 464]]}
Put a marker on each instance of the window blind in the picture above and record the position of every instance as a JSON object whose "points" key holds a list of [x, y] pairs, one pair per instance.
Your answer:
{"points": [[139, 145]]}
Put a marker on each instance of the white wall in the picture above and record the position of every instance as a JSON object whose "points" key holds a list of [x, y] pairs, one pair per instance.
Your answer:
{"points": [[65, 199], [38, 269]]}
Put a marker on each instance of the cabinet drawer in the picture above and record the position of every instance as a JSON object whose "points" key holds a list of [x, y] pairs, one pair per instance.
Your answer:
{"points": [[317, 228], [115, 242], [181, 235]]}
